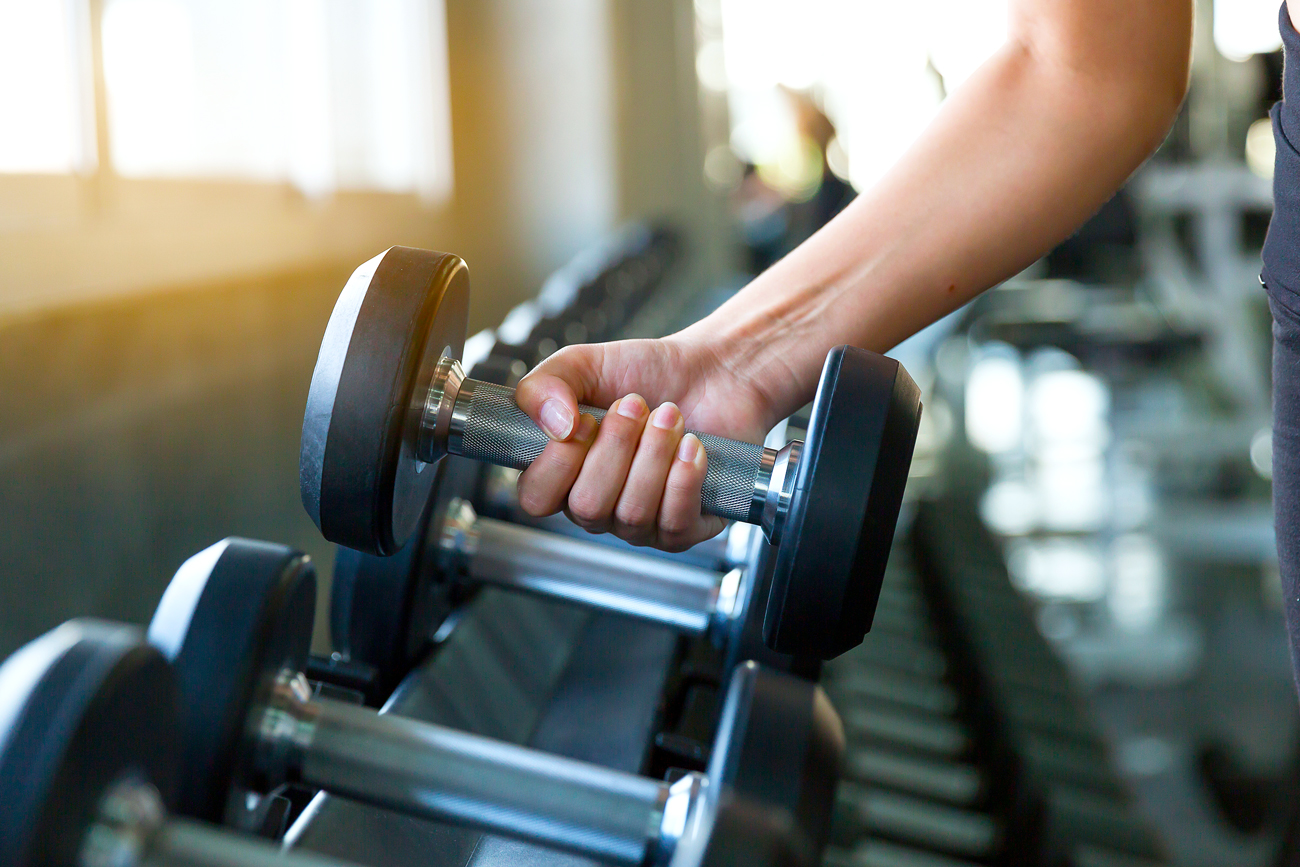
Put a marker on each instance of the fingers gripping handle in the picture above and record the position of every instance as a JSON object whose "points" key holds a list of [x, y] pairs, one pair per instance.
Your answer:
{"points": [[487, 425]]}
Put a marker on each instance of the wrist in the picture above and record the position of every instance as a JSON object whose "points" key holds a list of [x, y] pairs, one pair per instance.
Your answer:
{"points": [[751, 351]]}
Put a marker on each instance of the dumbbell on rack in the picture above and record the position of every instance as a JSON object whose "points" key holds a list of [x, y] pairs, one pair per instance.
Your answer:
{"points": [[384, 609], [236, 623], [691, 600], [89, 737], [388, 398]]}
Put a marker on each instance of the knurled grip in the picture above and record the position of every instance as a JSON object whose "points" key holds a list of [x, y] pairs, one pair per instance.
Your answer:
{"points": [[494, 429]]}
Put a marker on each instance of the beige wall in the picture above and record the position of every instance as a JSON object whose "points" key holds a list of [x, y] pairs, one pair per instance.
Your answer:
{"points": [[660, 142], [533, 140]]}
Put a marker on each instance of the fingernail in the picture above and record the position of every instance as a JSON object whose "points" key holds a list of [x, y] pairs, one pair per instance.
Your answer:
{"points": [[688, 449], [556, 420], [665, 417], [587, 428], [632, 406]]}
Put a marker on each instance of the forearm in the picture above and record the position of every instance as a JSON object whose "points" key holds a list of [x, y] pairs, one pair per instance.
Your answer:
{"points": [[1015, 160]]}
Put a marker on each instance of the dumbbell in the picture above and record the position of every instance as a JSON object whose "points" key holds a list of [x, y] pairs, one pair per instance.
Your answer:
{"points": [[89, 742], [236, 624], [388, 398], [383, 609]]}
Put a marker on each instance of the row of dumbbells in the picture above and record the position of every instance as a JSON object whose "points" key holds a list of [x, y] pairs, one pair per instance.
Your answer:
{"points": [[1074, 800], [1024, 778], [593, 298], [105, 730], [966, 741], [386, 611]]}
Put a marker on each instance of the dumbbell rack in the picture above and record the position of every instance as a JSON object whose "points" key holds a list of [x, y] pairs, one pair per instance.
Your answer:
{"points": [[967, 741], [526, 671]]}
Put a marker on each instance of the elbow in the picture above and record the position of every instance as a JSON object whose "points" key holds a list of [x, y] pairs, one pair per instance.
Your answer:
{"points": [[1151, 100], [1165, 87], [1135, 107], [1151, 86], [1133, 77]]}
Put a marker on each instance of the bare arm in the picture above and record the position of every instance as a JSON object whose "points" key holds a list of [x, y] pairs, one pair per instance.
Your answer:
{"points": [[1017, 158]]}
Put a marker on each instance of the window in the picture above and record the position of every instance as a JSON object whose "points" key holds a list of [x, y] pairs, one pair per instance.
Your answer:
{"points": [[45, 118], [324, 94]]}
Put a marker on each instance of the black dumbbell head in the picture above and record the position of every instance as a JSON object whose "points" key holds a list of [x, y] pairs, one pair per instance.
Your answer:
{"points": [[360, 480], [384, 610], [83, 707], [847, 495], [234, 617], [775, 763]]}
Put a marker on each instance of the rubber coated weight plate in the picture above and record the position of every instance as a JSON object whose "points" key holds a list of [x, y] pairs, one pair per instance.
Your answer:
{"points": [[778, 749], [398, 314], [234, 616], [745, 641], [847, 494], [384, 610], [85, 705]]}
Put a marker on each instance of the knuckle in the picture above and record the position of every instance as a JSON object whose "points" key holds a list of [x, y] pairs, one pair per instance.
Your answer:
{"points": [[586, 508], [675, 522], [619, 432], [560, 356], [633, 514]]}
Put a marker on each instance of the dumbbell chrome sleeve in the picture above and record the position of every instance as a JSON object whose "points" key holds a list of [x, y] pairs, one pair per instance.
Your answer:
{"points": [[440, 773], [685, 598], [481, 421]]}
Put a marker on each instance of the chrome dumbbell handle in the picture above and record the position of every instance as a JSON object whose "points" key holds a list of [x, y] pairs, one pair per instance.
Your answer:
{"points": [[481, 421], [682, 597], [440, 773]]}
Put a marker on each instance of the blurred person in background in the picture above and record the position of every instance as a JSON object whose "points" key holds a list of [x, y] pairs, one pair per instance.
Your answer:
{"points": [[1017, 158], [832, 193], [772, 223]]}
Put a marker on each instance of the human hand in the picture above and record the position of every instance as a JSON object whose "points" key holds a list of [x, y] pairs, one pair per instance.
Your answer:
{"points": [[637, 474]]}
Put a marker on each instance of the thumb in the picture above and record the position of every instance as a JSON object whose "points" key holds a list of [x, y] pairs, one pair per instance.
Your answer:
{"points": [[549, 394]]}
